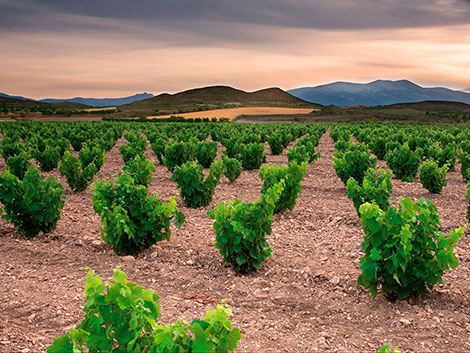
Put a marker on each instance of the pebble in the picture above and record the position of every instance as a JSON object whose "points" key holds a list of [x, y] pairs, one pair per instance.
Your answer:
{"points": [[334, 280], [405, 322], [128, 258]]}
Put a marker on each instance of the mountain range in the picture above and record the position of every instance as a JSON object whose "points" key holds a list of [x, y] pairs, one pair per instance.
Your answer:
{"points": [[379, 92], [92, 102], [376, 93]]}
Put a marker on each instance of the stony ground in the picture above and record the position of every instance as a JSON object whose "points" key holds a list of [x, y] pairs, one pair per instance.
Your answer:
{"points": [[304, 298]]}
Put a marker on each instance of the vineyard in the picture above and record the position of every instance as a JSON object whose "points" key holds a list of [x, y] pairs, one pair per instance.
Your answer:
{"points": [[317, 237]]}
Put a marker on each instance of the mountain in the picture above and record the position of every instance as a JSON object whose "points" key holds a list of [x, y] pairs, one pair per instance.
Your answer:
{"points": [[214, 97], [379, 92], [3, 95], [101, 102]]}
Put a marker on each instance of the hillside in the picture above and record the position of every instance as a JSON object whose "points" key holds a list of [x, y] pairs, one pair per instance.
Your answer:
{"points": [[379, 92], [101, 102], [19, 107], [215, 97], [433, 106]]}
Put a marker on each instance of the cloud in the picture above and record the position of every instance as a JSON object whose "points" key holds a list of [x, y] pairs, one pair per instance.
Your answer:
{"points": [[113, 47], [203, 16]]}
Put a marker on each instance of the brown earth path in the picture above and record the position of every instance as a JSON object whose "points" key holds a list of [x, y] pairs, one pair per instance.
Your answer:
{"points": [[304, 298]]}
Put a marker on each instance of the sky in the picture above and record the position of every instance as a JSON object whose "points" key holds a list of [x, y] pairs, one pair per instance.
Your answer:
{"points": [[114, 48]]}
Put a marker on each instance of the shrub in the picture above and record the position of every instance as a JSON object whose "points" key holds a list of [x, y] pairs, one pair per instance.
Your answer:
{"points": [[205, 153], [194, 190], [353, 164], [404, 162], [140, 170], [33, 204], [405, 253], [177, 153], [19, 164], [447, 156], [49, 159], [77, 177], [241, 230], [432, 177], [131, 150], [11, 147], [378, 147], [302, 154], [123, 317], [232, 168], [293, 174], [464, 159], [375, 188], [275, 144], [468, 201], [232, 146], [252, 156], [158, 147], [93, 155], [388, 349], [132, 220]]}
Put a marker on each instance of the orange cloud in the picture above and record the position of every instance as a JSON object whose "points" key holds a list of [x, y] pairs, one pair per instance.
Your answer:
{"points": [[63, 65]]}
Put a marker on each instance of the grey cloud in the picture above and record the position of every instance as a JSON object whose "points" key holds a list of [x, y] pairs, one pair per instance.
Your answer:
{"points": [[191, 15]]}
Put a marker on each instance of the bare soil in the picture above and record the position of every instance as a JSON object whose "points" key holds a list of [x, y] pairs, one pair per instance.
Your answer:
{"points": [[304, 298], [232, 113]]}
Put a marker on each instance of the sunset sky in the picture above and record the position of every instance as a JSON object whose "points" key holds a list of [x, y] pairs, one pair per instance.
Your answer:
{"points": [[112, 48]]}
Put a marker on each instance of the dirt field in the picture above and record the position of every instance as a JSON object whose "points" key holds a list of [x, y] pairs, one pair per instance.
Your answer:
{"points": [[304, 298], [235, 112], [100, 109]]}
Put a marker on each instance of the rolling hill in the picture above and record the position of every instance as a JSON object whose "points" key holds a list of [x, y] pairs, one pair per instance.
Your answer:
{"points": [[214, 97], [379, 92], [101, 102]]}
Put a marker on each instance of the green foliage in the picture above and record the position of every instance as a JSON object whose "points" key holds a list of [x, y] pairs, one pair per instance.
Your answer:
{"points": [[353, 163], [158, 147], [232, 168], [447, 156], [11, 147], [132, 220], [468, 201], [194, 190], [432, 177], [77, 177], [48, 159], [388, 349], [131, 150], [405, 253], [375, 188], [464, 159], [241, 229], [293, 174], [378, 147], [19, 164], [404, 162], [252, 155], [177, 153], [140, 170], [232, 147], [33, 204], [205, 153], [94, 155], [123, 317], [275, 144], [302, 154]]}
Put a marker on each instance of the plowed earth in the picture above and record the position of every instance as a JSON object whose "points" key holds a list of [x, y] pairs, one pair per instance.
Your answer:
{"points": [[304, 298]]}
